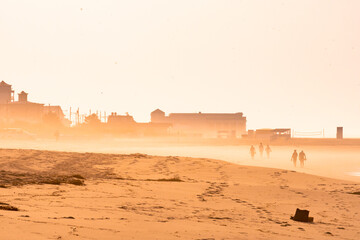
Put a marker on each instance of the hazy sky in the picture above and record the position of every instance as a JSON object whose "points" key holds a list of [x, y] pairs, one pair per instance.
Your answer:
{"points": [[282, 63]]}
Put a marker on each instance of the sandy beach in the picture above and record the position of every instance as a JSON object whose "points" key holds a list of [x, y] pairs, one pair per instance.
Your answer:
{"points": [[68, 195]]}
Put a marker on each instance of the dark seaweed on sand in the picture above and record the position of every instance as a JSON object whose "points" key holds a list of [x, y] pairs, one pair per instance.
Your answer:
{"points": [[7, 207], [8, 179]]}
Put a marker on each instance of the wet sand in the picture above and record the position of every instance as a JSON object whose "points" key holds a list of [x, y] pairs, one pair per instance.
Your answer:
{"points": [[139, 196]]}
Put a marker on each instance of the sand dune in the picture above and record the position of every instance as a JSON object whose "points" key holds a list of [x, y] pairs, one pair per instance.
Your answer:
{"points": [[139, 196]]}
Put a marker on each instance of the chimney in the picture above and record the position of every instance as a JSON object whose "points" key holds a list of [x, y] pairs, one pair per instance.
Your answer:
{"points": [[339, 133]]}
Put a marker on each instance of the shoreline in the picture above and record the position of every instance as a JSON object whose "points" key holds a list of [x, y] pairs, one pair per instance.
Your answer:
{"points": [[339, 162], [184, 157]]}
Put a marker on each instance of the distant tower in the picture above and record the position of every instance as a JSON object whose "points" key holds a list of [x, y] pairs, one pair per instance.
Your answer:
{"points": [[6, 93], [339, 133], [23, 96], [158, 116]]}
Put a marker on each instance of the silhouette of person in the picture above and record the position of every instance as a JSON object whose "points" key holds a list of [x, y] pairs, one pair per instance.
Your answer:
{"points": [[268, 151], [57, 135], [261, 149], [302, 158], [252, 151], [294, 157]]}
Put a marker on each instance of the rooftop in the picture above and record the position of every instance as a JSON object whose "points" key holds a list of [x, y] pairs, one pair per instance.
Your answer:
{"points": [[4, 84]]}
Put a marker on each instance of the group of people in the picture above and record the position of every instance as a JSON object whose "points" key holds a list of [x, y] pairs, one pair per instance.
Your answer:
{"points": [[261, 150], [302, 158], [294, 157]]}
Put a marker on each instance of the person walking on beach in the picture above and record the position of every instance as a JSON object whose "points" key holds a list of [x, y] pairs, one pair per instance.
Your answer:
{"points": [[294, 157], [261, 149], [302, 158], [268, 151], [252, 151], [57, 135]]}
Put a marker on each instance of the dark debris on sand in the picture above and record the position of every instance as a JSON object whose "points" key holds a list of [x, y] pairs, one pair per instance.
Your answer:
{"points": [[7, 207], [8, 179], [356, 193], [173, 179]]}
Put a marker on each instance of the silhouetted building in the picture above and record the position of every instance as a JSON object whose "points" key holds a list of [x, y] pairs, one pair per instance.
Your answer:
{"points": [[158, 116], [58, 112], [270, 134], [22, 110], [6, 93], [125, 124], [115, 119], [23, 96], [209, 125]]}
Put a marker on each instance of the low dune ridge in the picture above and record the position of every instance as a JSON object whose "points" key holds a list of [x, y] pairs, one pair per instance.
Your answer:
{"points": [[139, 196]]}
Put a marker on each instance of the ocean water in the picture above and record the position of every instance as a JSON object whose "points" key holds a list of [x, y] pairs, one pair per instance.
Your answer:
{"points": [[333, 162]]}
